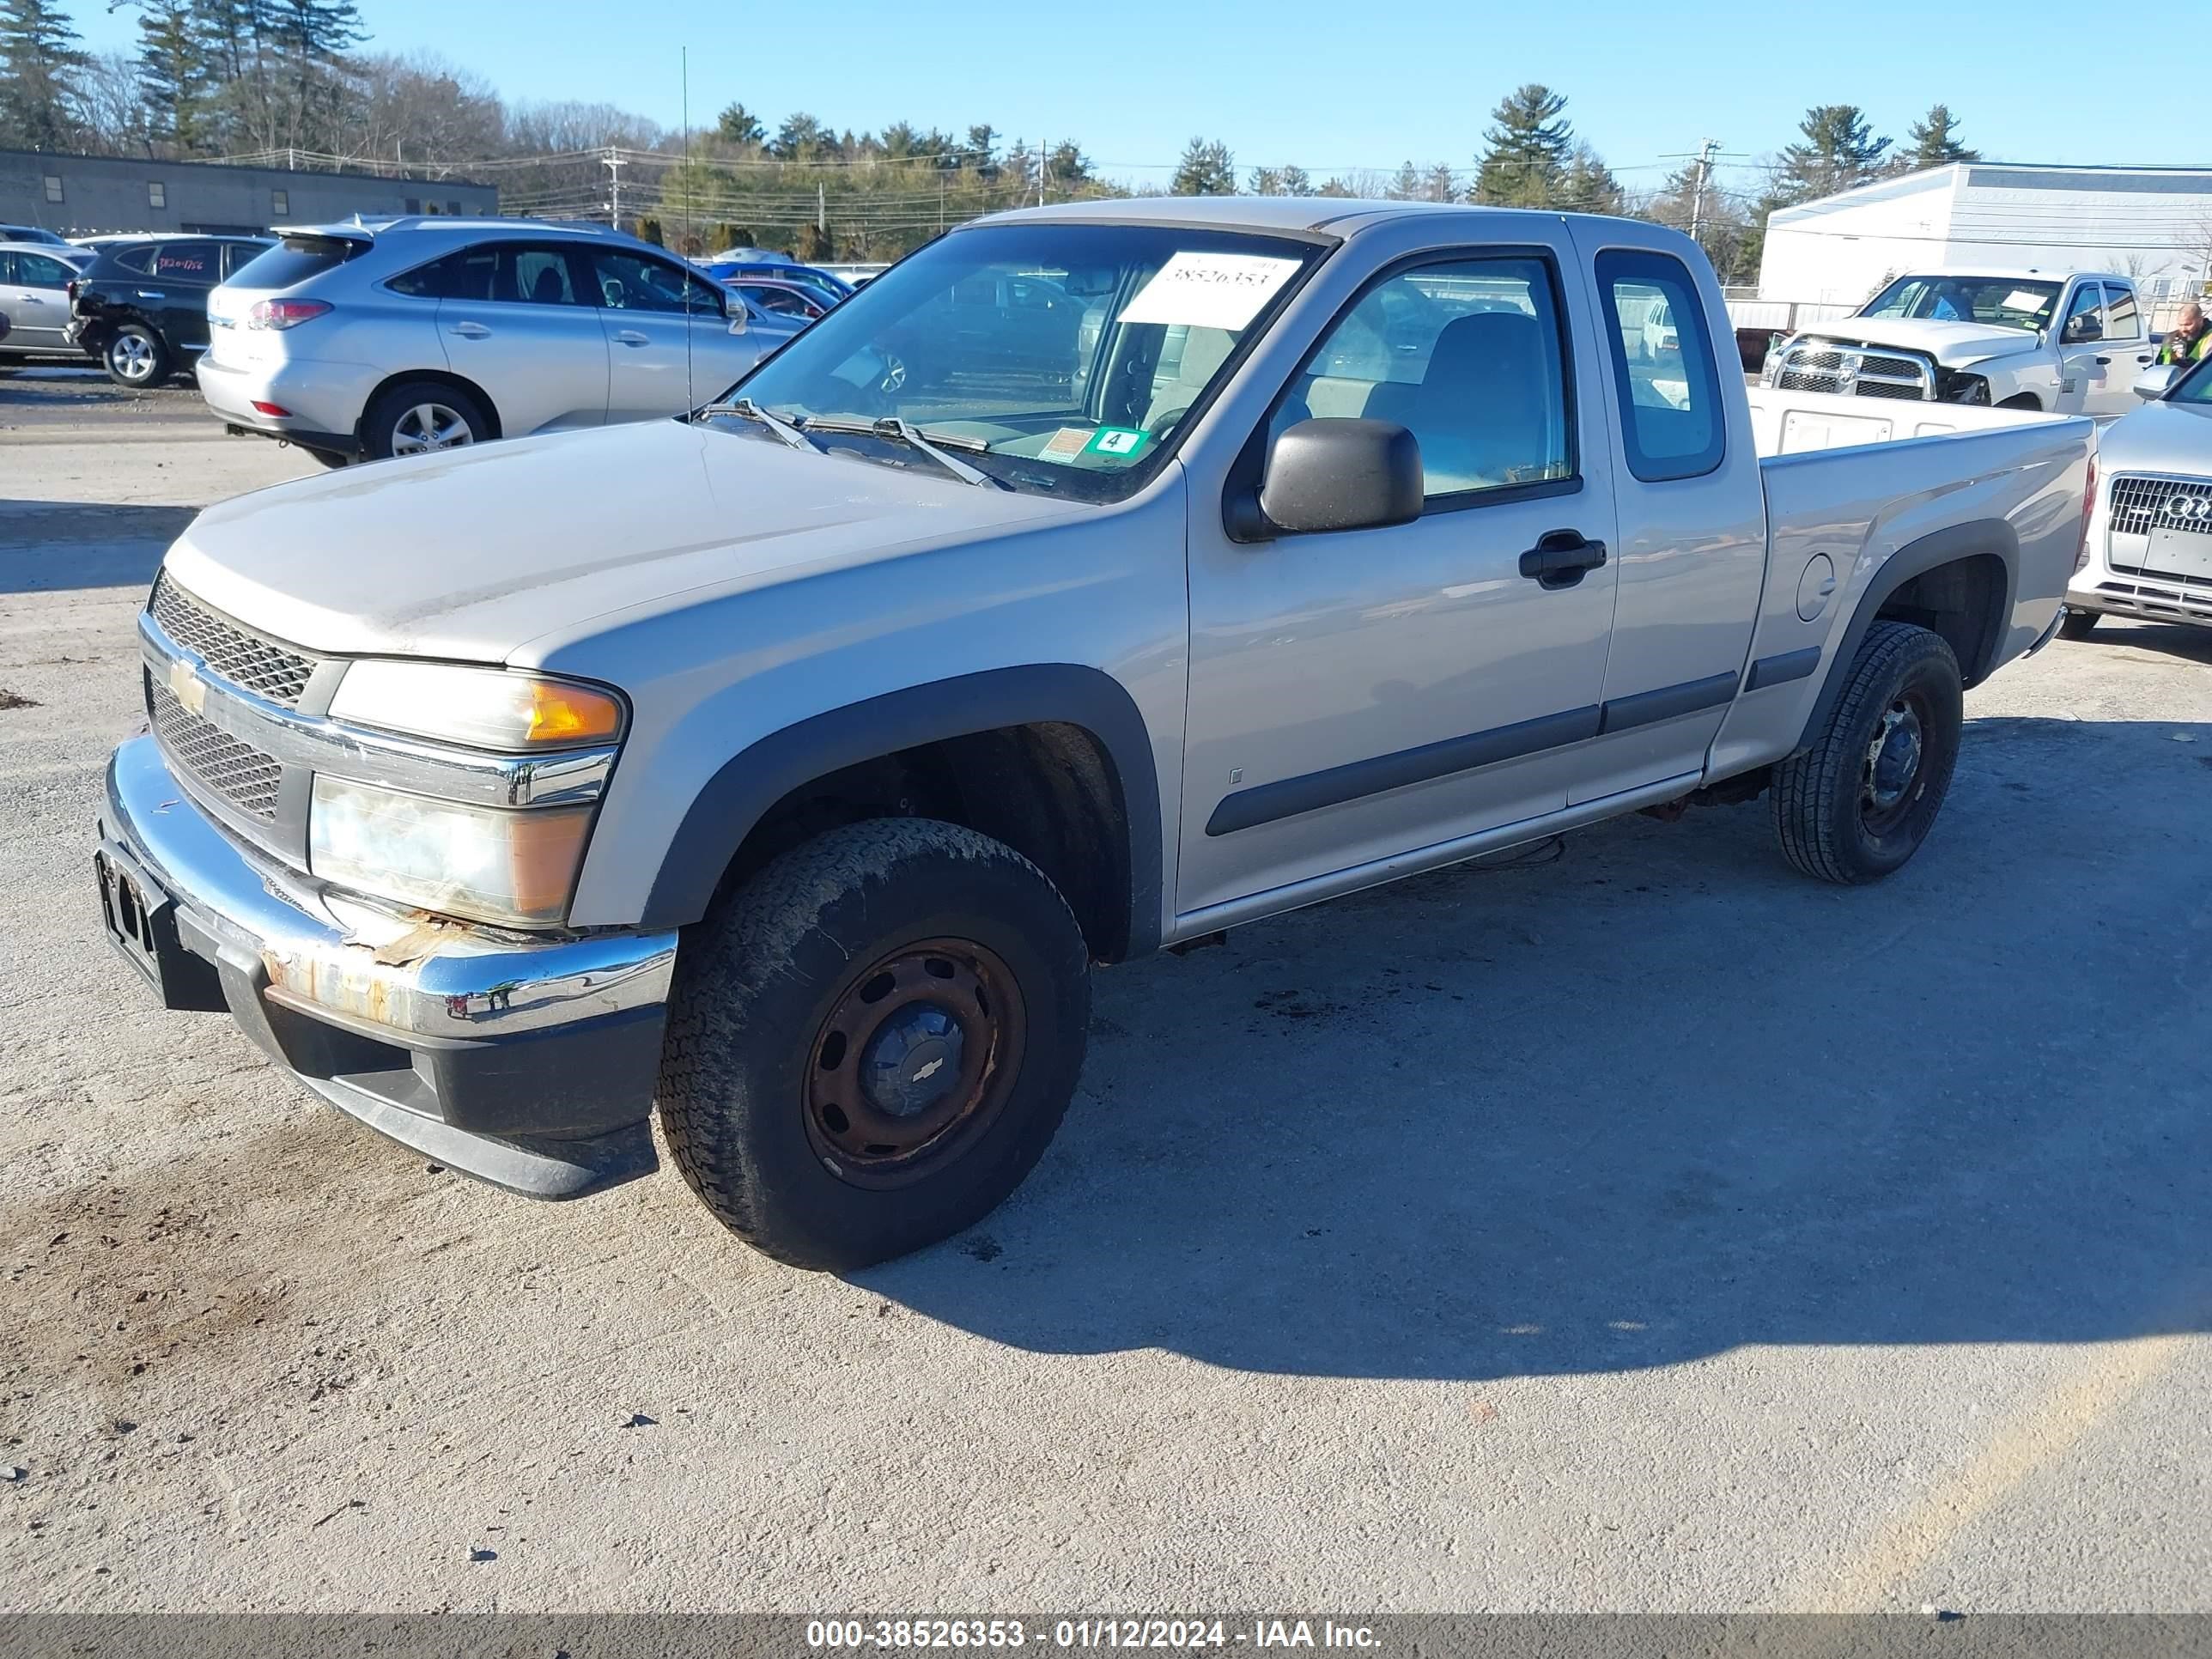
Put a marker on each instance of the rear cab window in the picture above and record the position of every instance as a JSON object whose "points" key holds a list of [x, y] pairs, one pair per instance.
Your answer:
{"points": [[1671, 420]]}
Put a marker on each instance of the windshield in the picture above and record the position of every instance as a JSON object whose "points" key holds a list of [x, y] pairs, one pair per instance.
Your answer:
{"points": [[1060, 358], [2004, 302], [2194, 386]]}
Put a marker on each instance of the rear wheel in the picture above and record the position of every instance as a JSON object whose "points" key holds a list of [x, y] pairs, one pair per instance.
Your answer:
{"points": [[136, 357], [2078, 625], [871, 1043], [1859, 803], [419, 417]]}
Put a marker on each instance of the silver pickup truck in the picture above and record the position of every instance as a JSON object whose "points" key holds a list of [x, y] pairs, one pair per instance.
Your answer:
{"points": [[1097, 579]]}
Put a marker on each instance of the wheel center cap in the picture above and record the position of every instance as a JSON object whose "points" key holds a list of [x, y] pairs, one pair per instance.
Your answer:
{"points": [[1897, 761], [913, 1062]]}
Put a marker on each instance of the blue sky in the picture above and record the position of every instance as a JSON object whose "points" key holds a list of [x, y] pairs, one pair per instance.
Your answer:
{"points": [[1288, 82]]}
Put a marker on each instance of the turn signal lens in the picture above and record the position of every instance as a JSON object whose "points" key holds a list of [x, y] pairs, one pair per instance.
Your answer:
{"points": [[482, 707], [505, 866]]}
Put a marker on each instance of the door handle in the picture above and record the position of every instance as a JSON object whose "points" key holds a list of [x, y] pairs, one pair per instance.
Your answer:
{"points": [[151, 294], [2104, 362], [630, 337], [470, 331], [1560, 558]]}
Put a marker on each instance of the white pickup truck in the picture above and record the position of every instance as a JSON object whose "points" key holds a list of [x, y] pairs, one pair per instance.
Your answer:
{"points": [[787, 767], [2070, 344]]}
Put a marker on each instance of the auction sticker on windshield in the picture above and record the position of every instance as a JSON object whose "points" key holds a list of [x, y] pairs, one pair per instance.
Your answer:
{"points": [[1065, 444], [1209, 290], [1121, 441]]}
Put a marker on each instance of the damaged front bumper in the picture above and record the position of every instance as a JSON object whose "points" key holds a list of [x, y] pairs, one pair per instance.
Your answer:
{"points": [[528, 1062]]}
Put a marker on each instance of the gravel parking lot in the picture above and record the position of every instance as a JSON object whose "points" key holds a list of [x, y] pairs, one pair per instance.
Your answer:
{"points": [[1641, 1228]]}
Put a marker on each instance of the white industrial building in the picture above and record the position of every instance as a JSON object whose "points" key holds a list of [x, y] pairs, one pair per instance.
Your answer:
{"points": [[2152, 224]]}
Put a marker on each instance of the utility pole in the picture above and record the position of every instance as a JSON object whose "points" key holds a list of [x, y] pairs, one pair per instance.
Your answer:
{"points": [[614, 165], [821, 207], [1698, 193], [1042, 164]]}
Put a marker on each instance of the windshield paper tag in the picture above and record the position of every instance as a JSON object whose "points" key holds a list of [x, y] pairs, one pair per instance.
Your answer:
{"points": [[1119, 441], [2021, 299], [1209, 290], [1065, 444]]}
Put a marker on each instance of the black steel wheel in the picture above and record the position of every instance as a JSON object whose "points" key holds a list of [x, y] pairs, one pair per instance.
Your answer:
{"points": [[872, 1041], [1856, 805]]}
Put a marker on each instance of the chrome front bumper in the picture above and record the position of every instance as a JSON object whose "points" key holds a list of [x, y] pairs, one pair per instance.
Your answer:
{"points": [[530, 1062]]}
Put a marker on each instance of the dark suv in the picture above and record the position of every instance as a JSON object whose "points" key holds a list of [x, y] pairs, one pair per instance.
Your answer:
{"points": [[141, 307]]}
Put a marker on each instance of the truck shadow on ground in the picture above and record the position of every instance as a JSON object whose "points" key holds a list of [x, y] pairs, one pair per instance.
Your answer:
{"points": [[1658, 1099], [49, 546]]}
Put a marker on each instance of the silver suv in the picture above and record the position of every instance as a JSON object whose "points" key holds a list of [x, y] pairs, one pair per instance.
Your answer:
{"points": [[395, 336]]}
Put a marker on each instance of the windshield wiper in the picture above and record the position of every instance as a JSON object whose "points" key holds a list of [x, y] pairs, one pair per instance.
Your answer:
{"points": [[894, 428], [746, 409]]}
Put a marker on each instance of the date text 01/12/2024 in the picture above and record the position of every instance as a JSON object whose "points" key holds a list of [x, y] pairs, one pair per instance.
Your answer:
{"points": [[1152, 1634]]}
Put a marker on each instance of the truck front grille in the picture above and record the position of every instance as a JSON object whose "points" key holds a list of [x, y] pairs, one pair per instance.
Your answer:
{"points": [[269, 670], [1839, 367], [2141, 505], [237, 772]]}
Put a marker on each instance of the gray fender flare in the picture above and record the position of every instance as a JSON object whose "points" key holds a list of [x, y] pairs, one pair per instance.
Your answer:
{"points": [[736, 798], [1992, 537]]}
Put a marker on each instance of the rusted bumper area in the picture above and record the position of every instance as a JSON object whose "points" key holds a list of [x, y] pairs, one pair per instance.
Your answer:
{"points": [[529, 1063]]}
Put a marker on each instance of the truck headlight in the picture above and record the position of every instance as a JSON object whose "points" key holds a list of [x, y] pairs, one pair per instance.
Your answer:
{"points": [[484, 708], [480, 863]]}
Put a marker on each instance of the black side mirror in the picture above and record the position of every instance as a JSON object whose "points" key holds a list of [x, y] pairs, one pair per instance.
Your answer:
{"points": [[2083, 329], [1324, 475]]}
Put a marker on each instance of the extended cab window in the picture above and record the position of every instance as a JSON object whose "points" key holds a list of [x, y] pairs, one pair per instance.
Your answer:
{"points": [[1468, 356], [1662, 366]]}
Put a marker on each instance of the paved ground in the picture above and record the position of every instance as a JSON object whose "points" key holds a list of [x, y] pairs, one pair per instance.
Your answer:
{"points": [[1646, 1228]]}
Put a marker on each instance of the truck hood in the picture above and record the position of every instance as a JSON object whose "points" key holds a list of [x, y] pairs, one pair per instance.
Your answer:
{"points": [[1952, 345], [471, 554]]}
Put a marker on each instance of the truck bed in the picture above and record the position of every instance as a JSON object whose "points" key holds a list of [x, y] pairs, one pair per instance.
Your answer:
{"points": [[1837, 513]]}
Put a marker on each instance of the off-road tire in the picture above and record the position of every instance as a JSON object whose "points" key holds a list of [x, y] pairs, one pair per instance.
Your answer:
{"points": [[2080, 624], [381, 426], [758, 977], [1820, 796]]}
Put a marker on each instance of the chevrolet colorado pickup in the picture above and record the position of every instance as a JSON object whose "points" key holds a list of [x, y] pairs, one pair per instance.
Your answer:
{"points": [[788, 766]]}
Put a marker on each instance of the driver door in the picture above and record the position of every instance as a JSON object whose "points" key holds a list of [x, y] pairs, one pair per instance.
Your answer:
{"points": [[2085, 369], [1361, 694]]}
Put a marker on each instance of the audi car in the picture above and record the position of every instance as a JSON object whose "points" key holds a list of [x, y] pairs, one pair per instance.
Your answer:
{"points": [[2147, 548]]}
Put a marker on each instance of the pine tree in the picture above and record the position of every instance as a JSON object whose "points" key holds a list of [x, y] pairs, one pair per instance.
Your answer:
{"points": [[1529, 146], [1407, 184], [42, 60], [1589, 186], [1838, 152], [173, 74], [1934, 142], [738, 125], [1440, 186], [1207, 169]]}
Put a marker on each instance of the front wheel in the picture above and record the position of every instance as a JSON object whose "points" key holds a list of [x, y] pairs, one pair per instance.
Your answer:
{"points": [[2078, 625], [135, 358], [872, 1041], [1859, 803]]}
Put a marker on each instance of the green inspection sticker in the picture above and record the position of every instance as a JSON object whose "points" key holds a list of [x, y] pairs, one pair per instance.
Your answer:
{"points": [[1119, 441]]}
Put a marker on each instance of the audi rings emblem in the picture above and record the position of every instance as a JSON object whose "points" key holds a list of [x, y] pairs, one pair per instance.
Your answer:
{"points": [[2182, 509]]}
